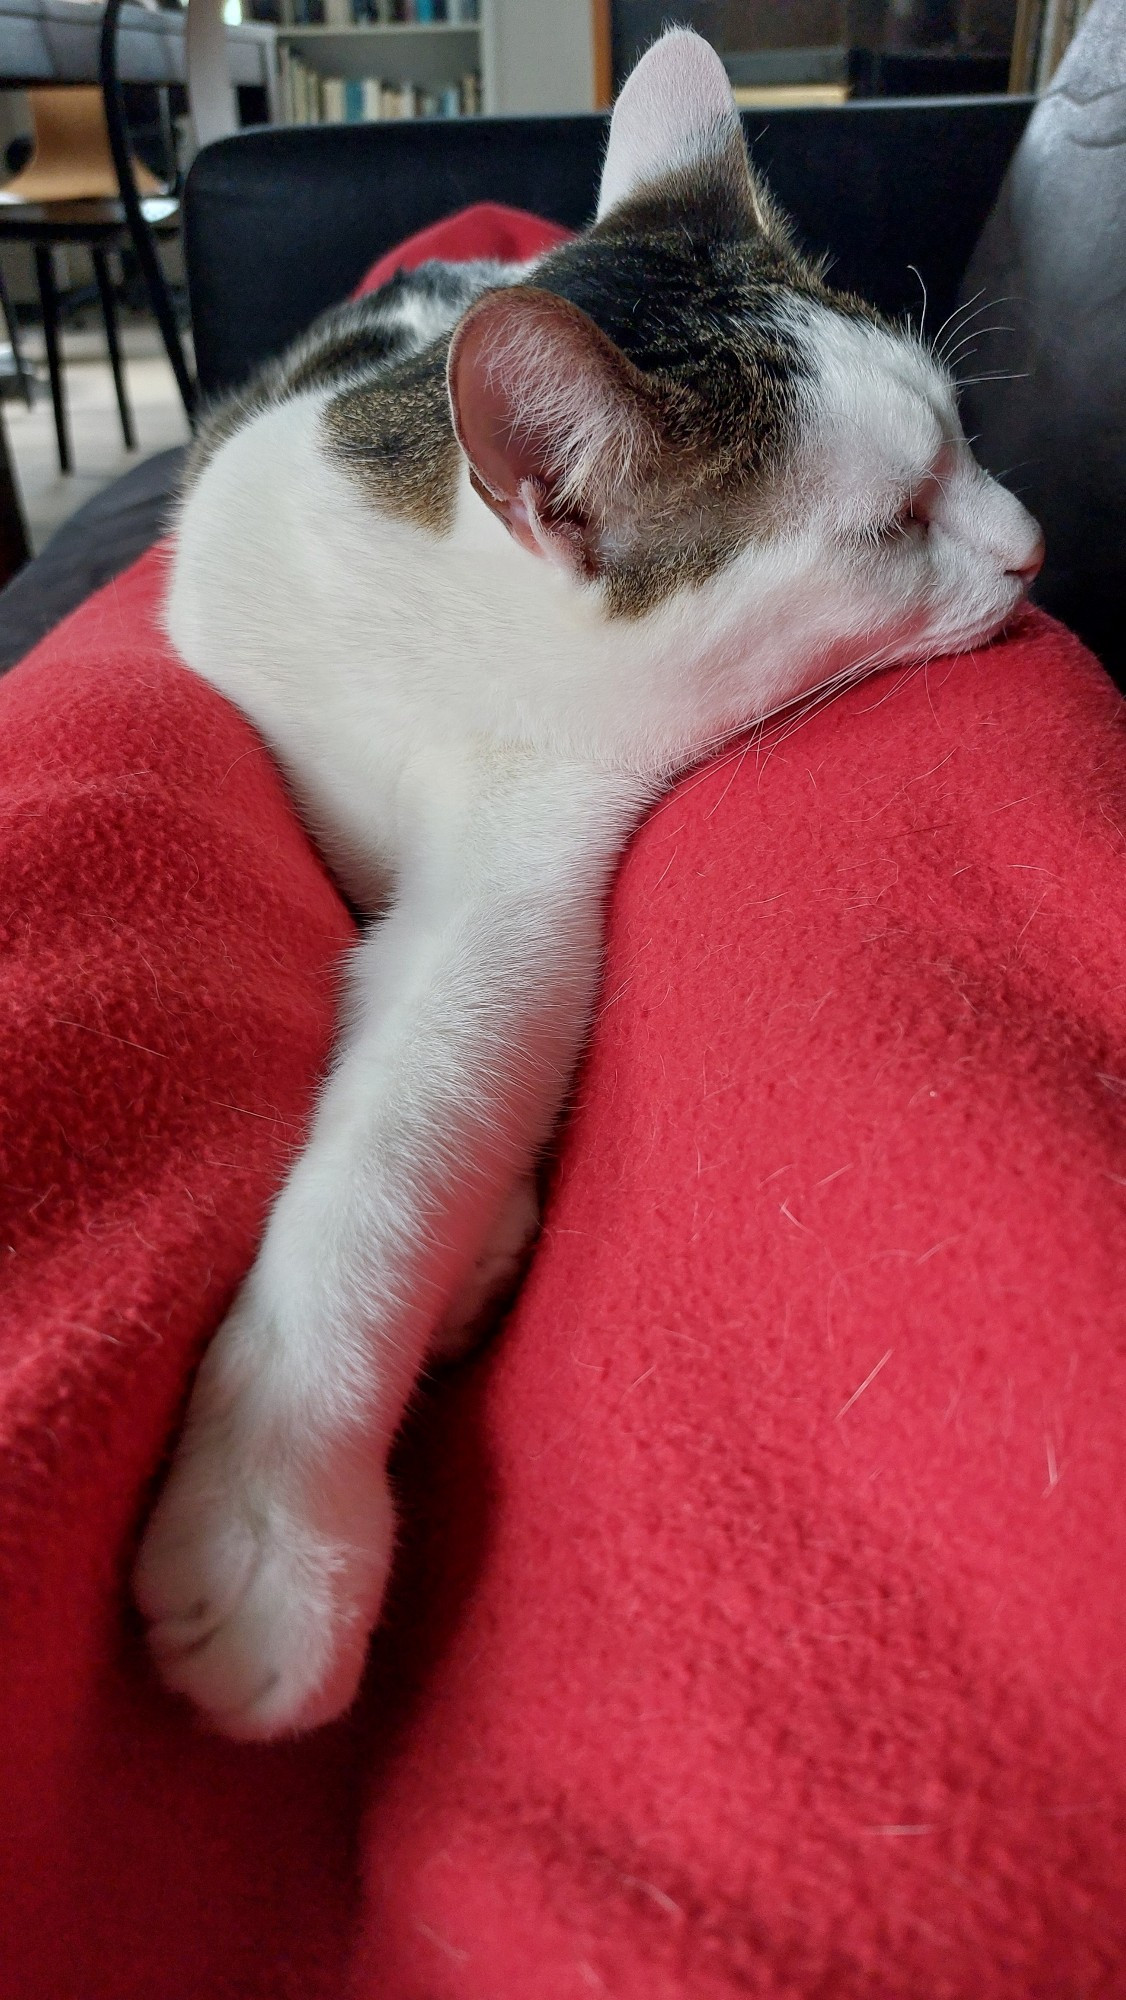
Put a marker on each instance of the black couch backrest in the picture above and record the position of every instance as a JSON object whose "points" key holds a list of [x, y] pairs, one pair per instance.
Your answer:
{"points": [[280, 223]]}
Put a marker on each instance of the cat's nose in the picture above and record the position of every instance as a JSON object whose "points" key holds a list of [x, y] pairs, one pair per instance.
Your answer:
{"points": [[1030, 568]]}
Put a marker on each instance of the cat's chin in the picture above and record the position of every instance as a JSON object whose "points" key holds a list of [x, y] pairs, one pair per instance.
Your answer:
{"points": [[1011, 626], [974, 638], [999, 624], [971, 637]]}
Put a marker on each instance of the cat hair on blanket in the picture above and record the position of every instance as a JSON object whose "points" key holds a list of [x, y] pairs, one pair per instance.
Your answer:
{"points": [[487, 560]]}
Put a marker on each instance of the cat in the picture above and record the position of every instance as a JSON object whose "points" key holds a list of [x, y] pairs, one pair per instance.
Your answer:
{"points": [[488, 559]]}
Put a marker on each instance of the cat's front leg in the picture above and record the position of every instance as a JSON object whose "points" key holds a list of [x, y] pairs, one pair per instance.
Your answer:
{"points": [[265, 1562], [494, 1277]]}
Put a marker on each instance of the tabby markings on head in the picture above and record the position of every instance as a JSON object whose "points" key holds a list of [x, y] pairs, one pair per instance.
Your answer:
{"points": [[694, 279]]}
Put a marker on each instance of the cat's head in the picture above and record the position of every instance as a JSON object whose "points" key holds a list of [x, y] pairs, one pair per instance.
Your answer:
{"points": [[679, 404]]}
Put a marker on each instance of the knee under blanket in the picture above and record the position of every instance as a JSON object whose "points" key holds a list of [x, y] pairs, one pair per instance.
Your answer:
{"points": [[759, 1625]]}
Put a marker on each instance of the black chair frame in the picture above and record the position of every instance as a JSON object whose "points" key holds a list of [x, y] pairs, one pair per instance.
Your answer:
{"points": [[141, 233]]}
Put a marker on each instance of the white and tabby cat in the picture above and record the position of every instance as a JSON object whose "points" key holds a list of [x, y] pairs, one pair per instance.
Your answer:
{"points": [[488, 560]]}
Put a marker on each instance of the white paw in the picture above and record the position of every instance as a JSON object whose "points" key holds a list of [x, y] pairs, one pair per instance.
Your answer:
{"points": [[262, 1570], [493, 1277]]}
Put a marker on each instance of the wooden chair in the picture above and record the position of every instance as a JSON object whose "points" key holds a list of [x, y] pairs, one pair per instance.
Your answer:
{"points": [[68, 193]]}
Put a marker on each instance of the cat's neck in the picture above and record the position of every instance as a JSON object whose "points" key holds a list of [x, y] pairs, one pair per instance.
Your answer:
{"points": [[650, 692]]}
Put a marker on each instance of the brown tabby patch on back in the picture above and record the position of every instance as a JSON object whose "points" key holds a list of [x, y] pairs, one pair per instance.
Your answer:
{"points": [[394, 437], [368, 349], [349, 338]]}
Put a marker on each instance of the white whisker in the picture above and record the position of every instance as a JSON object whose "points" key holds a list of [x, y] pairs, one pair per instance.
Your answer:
{"points": [[953, 317], [950, 359], [956, 332], [995, 375], [923, 289]]}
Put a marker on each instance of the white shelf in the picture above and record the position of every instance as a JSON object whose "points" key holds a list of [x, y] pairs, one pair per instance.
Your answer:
{"points": [[384, 29], [431, 54]]}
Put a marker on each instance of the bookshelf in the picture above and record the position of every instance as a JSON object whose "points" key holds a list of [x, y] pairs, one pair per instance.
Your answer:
{"points": [[397, 69], [483, 55]]}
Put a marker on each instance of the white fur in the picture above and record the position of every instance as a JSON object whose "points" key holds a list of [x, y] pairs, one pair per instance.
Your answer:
{"points": [[469, 736]]}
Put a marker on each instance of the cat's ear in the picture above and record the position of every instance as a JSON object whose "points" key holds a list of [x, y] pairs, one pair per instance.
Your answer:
{"points": [[557, 425], [676, 115]]}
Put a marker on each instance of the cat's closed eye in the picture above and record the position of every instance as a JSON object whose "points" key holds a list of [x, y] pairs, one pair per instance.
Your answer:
{"points": [[908, 518], [898, 519]]}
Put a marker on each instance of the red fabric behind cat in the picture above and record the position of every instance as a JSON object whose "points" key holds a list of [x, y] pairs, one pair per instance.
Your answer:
{"points": [[487, 229], [760, 1621]]}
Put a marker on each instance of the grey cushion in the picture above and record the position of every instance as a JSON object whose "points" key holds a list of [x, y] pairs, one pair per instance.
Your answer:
{"points": [[1051, 265]]}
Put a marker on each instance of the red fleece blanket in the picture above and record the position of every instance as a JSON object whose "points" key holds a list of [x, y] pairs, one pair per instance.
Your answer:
{"points": [[759, 1625]]}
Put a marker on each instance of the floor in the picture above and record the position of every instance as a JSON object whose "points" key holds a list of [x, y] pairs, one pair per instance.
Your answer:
{"points": [[98, 452]]}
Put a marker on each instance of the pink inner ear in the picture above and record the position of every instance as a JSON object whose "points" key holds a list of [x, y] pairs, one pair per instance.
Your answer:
{"points": [[536, 389], [502, 452]]}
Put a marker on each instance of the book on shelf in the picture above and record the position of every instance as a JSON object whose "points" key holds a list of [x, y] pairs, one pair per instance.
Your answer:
{"points": [[788, 96], [311, 99], [376, 13], [779, 79]]}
